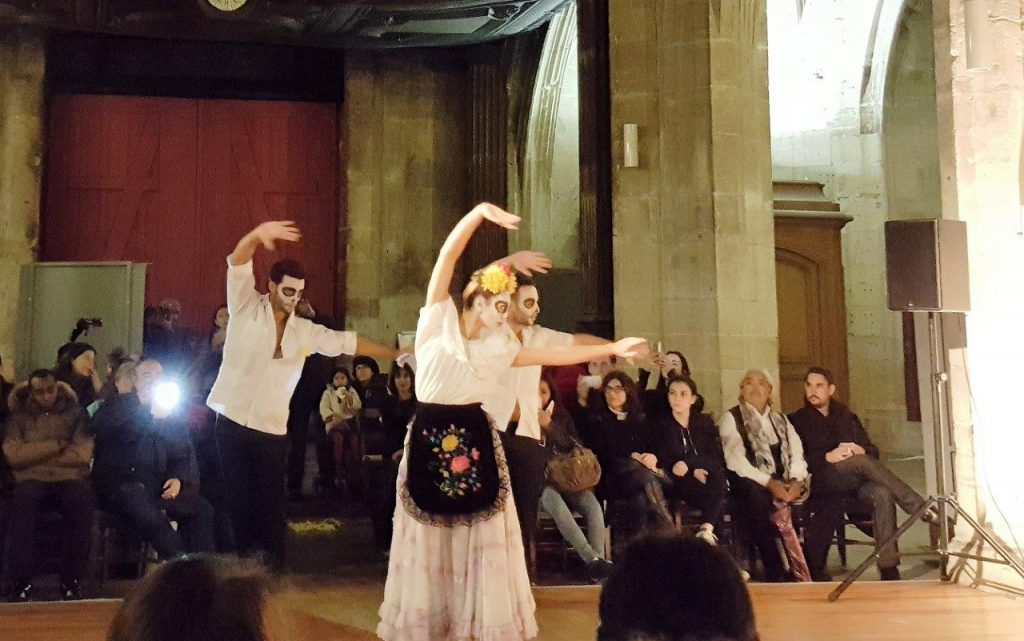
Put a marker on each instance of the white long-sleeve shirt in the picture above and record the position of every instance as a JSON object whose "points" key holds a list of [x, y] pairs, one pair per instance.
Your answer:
{"points": [[253, 388], [522, 385], [736, 452]]}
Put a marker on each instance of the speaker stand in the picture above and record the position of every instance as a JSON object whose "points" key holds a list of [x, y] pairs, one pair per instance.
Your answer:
{"points": [[942, 501]]}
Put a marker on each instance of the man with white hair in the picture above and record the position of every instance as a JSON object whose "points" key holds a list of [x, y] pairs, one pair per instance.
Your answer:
{"points": [[766, 459]]}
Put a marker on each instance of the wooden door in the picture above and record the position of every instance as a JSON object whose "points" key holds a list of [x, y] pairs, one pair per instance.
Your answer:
{"points": [[811, 301], [176, 182]]}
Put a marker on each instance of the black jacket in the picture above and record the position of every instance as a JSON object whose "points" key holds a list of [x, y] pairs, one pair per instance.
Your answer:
{"points": [[822, 434], [612, 439], [133, 447], [397, 415], [697, 445]]}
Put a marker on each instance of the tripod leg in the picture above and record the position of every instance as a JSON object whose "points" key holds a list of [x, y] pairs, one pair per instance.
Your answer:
{"points": [[988, 538], [879, 546]]}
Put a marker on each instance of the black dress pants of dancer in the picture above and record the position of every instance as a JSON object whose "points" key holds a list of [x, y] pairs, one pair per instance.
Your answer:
{"points": [[254, 468], [527, 460]]}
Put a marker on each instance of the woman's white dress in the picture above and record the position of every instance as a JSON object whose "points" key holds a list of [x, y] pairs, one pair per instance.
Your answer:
{"points": [[464, 582]]}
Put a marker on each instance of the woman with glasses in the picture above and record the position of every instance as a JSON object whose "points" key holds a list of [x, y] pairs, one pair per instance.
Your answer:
{"points": [[619, 436]]}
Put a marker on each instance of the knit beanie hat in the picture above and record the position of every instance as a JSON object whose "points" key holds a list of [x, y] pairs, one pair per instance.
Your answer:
{"points": [[74, 350]]}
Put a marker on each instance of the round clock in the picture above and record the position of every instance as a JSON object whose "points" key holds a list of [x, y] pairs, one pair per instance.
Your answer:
{"points": [[227, 5]]}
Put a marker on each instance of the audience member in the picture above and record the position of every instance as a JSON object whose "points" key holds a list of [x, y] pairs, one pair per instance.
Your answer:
{"points": [[766, 458], [689, 451], [339, 412], [656, 400], [364, 369], [397, 416], [303, 409], [619, 436], [49, 452], [559, 438], [588, 390], [675, 588], [201, 598], [844, 462], [165, 341], [146, 470], [220, 329], [76, 366], [6, 387]]}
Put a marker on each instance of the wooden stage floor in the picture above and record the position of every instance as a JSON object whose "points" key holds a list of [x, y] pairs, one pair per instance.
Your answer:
{"points": [[907, 611]]}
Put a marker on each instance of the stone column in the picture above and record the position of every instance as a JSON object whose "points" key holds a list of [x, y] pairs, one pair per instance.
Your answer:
{"points": [[694, 239], [21, 149], [405, 140], [981, 128]]}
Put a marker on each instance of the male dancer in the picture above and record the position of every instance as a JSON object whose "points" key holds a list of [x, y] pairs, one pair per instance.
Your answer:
{"points": [[265, 349], [515, 404]]}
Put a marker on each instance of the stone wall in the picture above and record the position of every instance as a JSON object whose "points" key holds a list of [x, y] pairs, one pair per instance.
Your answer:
{"points": [[693, 232], [21, 150], [847, 105], [405, 140]]}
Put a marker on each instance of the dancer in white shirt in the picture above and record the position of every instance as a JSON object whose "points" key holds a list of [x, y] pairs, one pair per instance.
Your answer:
{"points": [[264, 351], [514, 404], [457, 571]]}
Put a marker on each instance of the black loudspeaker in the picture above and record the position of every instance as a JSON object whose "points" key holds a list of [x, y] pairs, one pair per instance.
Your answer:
{"points": [[926, 265]]}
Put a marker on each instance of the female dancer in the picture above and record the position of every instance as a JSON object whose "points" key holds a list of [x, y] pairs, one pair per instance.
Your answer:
{"points": [[457, 571]]}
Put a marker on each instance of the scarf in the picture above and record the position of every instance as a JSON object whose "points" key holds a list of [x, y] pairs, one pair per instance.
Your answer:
{"points": [[751, 430]]}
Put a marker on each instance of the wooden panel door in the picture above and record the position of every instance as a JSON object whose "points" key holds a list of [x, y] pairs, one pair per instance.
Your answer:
{"points": [[175, 183], [811, 301], [263, 161]]}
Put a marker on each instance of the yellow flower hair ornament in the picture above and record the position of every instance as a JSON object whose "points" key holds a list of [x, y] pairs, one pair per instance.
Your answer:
{"points": [[496, 278]]}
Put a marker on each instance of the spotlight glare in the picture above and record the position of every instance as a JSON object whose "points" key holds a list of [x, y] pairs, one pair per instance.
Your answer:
{"points": [[167, 395]]}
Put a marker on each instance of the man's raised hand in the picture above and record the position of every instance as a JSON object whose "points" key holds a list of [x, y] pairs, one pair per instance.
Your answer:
{"points": [[270, 232], [527, 262]]}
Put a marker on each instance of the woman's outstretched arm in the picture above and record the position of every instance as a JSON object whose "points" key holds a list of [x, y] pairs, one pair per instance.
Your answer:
{"points": [[455, 244]]}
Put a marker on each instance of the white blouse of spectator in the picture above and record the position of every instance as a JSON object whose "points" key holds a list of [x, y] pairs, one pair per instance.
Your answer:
{"points": [[521, 384], [736, 453], [253, 388]]}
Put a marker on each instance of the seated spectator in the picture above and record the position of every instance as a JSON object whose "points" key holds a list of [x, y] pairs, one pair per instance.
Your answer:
{"points": [[690, 452], [845, 462], [201, 598], [397, 416], [339, 412], [656, 400], [146, 470], [364, 369], [559, 438], [588, 390], [675, 588], [219, 333], [76, 366], [766, 458], [49, 452], [6, 388], [619, 436]]}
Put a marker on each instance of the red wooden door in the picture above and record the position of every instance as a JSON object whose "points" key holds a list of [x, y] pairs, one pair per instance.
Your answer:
{"points": [[175, 183]]}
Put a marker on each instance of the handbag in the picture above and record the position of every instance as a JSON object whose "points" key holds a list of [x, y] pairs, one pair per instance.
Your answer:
{"points": [[574, 472]]}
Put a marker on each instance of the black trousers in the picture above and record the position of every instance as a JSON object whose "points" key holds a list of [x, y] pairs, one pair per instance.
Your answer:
{"points": [[527, 462], [254, 469], [144, 510], [876, 486], [755, 507], [77, 505], [708, 497]]}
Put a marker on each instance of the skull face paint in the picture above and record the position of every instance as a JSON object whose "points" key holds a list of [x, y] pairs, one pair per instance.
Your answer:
{"points": [[525, 306], [494, 310], [287, 294]]}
